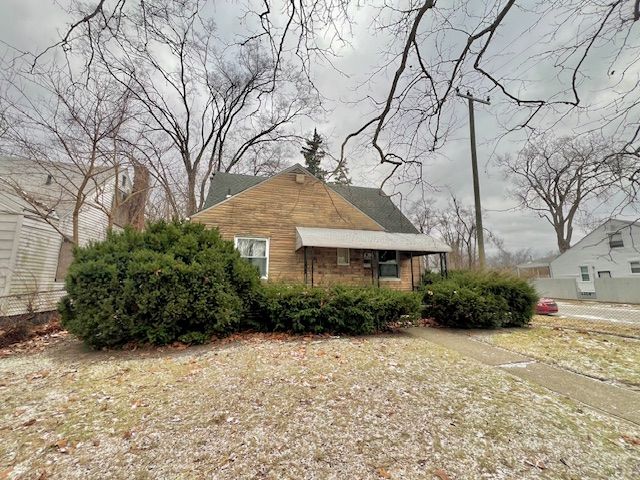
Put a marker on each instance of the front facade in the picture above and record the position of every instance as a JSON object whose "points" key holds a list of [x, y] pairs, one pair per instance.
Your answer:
{"points": [[610, 251], [298, 229]]}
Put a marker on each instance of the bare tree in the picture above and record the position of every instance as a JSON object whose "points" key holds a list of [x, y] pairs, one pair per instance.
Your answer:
{"points": [[506, 259], [454, 224], [557, 178], [209, 104], [424, 215], [500, 47], [64, 136]]}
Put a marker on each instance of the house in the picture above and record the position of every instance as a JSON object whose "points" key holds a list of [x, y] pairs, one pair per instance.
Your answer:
{"points": [[538, 268], [610, 251], [296, 228], [37, 201]]}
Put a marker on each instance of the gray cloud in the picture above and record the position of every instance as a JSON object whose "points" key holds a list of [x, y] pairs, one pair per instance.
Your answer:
{"points": [[32, 25]]}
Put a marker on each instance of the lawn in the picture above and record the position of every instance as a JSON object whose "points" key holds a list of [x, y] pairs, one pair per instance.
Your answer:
{"points": [[603, 356], [373, 407]]}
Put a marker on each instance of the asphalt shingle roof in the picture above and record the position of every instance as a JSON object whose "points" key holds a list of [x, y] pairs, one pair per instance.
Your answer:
{"points": [[223, 184], [372, 201], [378, 205]]}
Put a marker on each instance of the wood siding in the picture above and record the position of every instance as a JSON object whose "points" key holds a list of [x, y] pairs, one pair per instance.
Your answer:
{"points": [[273, 208]]}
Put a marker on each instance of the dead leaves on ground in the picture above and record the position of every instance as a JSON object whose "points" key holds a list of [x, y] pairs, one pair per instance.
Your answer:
{"points": [[382, 472], [441, 474], [631, 440]]}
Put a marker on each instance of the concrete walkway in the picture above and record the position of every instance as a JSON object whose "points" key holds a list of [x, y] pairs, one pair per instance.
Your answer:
{"points": [[607, 398]]}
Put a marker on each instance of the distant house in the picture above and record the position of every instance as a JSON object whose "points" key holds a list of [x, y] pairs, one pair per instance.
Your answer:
{"points": [[610, 251], [538, 268], [37, 200], [296, 228]]}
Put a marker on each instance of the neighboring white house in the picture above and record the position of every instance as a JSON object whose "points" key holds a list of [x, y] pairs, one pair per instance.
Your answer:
{"points": [[610, 251], [33, 252]]}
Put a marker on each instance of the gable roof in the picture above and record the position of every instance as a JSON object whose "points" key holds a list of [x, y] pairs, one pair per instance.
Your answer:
{"points": [[373, 202], [619, 224]]}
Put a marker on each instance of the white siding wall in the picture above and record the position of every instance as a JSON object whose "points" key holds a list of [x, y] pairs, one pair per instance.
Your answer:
{"points": [[9, 226], [29, 250], [37, 258], [594, 252], [93, 221]]}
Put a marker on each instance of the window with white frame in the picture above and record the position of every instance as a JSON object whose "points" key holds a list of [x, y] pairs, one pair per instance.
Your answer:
{"points": [[584, 274], [615, 240], [635, 266], [343, 256], [388, 264], [256, 250]]}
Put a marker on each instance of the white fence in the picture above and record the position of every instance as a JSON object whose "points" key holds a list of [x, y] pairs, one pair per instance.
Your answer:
{"points": [[619, 290]]}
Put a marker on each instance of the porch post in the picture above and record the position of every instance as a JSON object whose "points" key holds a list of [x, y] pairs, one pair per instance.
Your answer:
{"points": [[441, 264], [446, 267], [312, 262], [305, 264], [377, 256], [373, 278], [411, 260]]}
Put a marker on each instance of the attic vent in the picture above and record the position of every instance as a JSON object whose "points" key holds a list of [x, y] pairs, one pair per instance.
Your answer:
{"points": [[299, 178], [49, 180]]}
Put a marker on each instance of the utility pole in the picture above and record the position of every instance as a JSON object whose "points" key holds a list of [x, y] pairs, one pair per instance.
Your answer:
{"points": [[474, 168]]}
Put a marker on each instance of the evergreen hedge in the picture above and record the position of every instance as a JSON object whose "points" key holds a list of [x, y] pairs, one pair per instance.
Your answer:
{"points": [[180, 281], [479, 300], [174, 281], [338, 309]]}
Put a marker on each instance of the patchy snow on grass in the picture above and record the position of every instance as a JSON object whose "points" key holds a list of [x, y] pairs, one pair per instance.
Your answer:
{"points": [[371, 407], [631, 330], [606, 357]]}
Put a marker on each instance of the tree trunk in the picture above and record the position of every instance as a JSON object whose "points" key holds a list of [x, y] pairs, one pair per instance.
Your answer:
{"points": [[192, 204], [563, 243], [74, 226]]}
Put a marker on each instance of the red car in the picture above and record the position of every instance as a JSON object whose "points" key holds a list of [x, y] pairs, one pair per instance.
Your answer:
{"points": [[546, 306]]}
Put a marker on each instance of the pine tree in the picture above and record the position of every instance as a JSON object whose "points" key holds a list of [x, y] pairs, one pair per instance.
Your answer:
{"points": [[313, 154], [342, 175]]}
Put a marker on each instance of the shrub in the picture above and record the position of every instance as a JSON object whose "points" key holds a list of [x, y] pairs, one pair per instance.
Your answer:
{"points": [[480, 300], [174, 280], [340, 309]]}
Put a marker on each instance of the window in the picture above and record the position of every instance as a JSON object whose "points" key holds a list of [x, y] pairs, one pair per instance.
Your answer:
{"points": [[584, 274], [615, 240], [635, 266], [124, 180], [49, 179], [256, 250], [343, 256], [604, 274], [388, 264]]}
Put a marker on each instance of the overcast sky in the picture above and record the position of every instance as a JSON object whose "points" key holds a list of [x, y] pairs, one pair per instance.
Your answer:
{"points": [[33, 24]]}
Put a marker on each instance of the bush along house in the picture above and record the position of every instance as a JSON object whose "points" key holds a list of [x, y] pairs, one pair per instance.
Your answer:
{"points": [[297, 229]]}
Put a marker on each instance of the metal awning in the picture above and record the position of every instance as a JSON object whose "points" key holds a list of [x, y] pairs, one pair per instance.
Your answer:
{"points": [[368, 240]]}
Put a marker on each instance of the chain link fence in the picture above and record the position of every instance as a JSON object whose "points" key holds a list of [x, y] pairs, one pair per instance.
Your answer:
{"points": [[30, 302]]}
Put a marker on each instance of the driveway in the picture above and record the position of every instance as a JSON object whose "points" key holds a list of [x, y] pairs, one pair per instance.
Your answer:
{"points": [[610, 312]]}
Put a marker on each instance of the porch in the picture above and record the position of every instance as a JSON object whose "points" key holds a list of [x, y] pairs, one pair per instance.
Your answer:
{"points": [[394, 260]]}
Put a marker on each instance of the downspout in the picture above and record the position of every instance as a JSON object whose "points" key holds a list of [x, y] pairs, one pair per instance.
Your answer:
{"points": [[312, 265]]}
